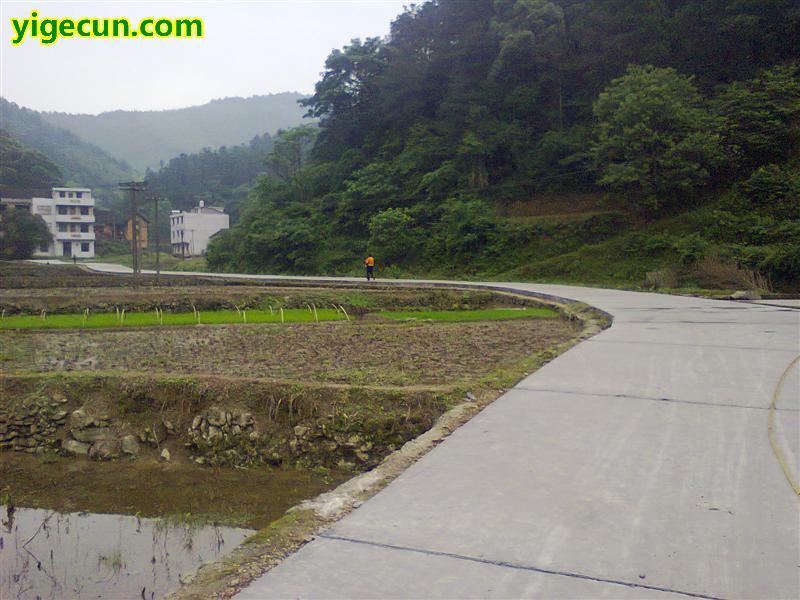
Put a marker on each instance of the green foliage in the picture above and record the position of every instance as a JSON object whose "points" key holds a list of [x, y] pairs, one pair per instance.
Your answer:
{"points": [[21, 233], [80, 163], [222, 177], [774, 189], [425, 137], [391, 235], [691, 248], [654, 139], [21, 167], [487, 314], [762, 116]]}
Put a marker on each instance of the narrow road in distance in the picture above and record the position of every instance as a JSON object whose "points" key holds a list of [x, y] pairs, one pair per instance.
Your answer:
{"points": [[659, 458]]}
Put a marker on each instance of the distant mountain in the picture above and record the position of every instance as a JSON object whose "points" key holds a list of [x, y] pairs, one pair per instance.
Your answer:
{"points": [[79, 162], [146, 138]]}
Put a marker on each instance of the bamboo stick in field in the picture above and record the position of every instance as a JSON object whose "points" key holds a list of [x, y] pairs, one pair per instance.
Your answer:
{"points": [[244, 315], [345, 312], [316, 316], [282, 320]]}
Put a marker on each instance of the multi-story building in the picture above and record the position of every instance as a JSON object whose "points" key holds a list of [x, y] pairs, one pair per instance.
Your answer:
{"points": [[69, 214], [191, 230]]}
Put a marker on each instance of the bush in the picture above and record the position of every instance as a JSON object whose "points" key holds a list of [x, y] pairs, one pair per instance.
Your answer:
{"points": [[715, 272], [691, 248], [773, 188]]}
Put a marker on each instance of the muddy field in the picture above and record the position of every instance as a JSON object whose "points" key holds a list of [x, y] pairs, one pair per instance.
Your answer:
{"points": [[364, 353], [149, 488]]}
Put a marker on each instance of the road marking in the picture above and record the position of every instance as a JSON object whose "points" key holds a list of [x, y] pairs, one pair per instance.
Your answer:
{"points": [[776, 449]]}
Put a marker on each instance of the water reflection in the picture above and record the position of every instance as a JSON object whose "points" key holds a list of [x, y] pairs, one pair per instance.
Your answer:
{"points": [[50, 555]]}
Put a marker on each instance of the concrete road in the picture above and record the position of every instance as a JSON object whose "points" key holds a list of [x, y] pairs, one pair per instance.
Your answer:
{"points": [[636, 465]]}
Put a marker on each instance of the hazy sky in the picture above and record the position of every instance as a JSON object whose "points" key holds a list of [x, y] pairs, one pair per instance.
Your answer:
{"points": [[250, 47]]}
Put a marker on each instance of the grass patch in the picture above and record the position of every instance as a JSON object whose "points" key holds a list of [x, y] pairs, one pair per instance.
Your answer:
{"points": [[489, 314], [147, 319]]}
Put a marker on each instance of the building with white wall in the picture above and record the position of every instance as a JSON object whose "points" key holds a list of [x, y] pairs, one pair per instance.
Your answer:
{"points": [[69, 214], [190, 231]]}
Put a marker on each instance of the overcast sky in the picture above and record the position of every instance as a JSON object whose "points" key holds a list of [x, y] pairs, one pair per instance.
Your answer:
{"points": [[250, 47]]}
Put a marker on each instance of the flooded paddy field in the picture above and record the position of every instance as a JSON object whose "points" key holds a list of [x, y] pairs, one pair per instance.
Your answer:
{"points": [[50, 555]]}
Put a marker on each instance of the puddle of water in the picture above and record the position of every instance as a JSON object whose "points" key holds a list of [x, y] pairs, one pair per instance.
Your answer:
{"points": [[50, 555]]}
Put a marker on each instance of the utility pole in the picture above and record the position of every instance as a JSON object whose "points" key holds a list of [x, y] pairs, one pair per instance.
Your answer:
{"points": [[156, 199], [134, 187]]}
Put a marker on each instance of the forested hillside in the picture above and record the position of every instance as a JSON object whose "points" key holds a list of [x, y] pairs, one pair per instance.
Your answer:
{"points": [[221, 177], [80, 163], [457, 145], [23, 168], [145, 139]]}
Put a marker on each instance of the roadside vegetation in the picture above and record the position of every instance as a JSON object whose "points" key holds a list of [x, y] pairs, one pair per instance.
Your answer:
{"points": [[687, 157]]}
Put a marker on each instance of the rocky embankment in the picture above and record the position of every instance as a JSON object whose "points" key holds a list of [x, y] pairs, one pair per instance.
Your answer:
{"points": [[217, 436]]}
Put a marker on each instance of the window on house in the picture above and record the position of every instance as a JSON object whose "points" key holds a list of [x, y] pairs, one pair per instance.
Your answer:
{"points": [[62, 227], [79, 194], [62, 210], [85, 247], [70, 195], [84, 228], [62, 194], [84, 210]]}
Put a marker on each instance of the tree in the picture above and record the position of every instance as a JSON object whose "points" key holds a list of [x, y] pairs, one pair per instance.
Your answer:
{"points": [[290, 149], [20, 234], [655, 142], [391, 235], [762, 116]]}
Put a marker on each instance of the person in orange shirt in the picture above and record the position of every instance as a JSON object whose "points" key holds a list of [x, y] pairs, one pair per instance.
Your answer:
{"points": [[369, 262]]}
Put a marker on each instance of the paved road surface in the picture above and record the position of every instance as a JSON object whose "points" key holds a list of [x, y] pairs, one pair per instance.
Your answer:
{"points": [[636, 465]]}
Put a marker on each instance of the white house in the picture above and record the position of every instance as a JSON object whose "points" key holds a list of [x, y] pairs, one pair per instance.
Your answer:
{"points": [[190, 231], [69, 214]]}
